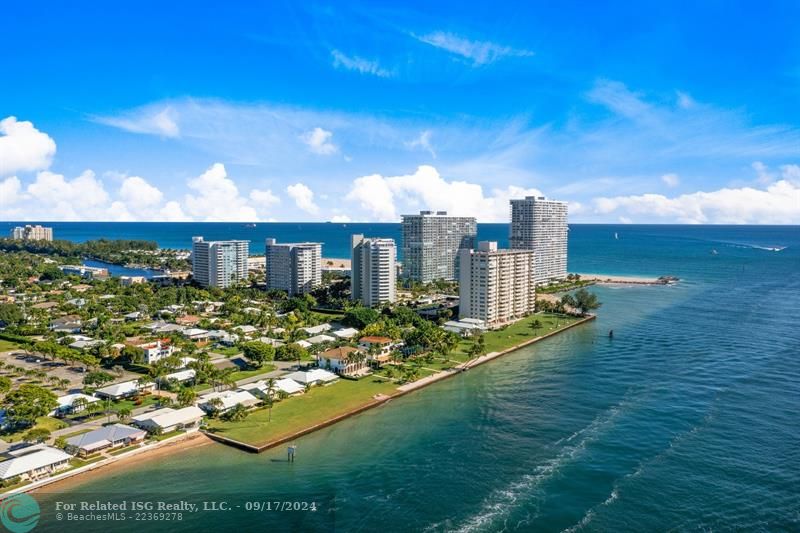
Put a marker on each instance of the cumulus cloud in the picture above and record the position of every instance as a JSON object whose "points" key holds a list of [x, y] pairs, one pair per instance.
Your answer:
{"points": [[671, 180], [9, 190], [778, 203], [152, 120], [138, 193], [303, 197], [318, 141], [383, 197], [340, 219], [216, 198], [23, 147], [264, 198], [479, 52], [358, 64]]}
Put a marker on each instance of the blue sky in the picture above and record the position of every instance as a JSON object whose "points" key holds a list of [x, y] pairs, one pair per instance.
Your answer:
{"points": [[632, 112]]}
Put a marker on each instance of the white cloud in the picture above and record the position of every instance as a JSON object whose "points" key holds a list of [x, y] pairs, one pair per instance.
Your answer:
{"points": [[671, 180], [319, 141], [303, 197], [479, 52], [9, 190], [264, 198], [383, 197], [340, 219], [217, 198], [358, 64], [779, 203], [136, 192], [423, 142], [152, 120], [23, 147]]}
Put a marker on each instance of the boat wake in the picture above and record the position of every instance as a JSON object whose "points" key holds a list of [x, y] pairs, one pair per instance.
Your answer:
{"points": [[501, 502]]}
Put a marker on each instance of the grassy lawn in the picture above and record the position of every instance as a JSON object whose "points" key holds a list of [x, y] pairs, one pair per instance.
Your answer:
{"points": [[6, 346], [241, 374], [43, 422], [227, 352], [516, 333], [168, 435], [131, 404], [77, 463], [14, 486], [293, 414], [123, 450], [76, 433]]}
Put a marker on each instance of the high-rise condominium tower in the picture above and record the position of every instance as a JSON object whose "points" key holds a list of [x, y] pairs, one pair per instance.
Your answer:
{"points": [[431, 241], [496, 286], [373, 270], [294, 267], [219, 263], [540, 225], [32, 233]]}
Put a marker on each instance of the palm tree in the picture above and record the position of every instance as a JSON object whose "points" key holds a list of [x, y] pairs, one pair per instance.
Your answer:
{"points": [[270, 391], [535, 325], [186, 396], [124, 413]]}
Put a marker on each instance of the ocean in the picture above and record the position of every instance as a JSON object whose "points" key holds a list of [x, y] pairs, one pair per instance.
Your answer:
{"points": [[686, 420]]}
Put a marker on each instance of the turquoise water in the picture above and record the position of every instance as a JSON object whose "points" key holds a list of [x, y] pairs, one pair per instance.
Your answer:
{"points": [[686, 420]]}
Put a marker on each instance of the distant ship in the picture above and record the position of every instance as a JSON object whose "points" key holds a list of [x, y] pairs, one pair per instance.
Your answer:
{"points": [[714, 251], [616, 235], [250, 225]]}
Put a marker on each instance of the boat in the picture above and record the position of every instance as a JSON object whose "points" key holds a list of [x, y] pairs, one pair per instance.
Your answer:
{"points": [[250, 225], [616, 236], [714, 251]]}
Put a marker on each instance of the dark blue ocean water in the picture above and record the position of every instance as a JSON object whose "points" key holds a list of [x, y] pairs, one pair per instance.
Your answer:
{"points": [[687, 420]]}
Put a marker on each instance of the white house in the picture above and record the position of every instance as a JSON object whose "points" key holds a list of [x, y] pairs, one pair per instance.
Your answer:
{"points": [[168, 419], [66, 403], [246, 329], [316, 330], [346, 333], [196, 334], [228, 398], [105, 437], [379, 348], [319, 339], [181, 376], [316, 376], [156, 351], [123, 390], [39, 461]]}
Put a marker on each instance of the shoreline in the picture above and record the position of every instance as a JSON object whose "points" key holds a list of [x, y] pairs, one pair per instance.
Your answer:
{"points": [[603, 279], [203, 438], [402, 390]]}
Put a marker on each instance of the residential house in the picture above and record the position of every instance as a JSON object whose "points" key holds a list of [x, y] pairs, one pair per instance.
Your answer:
{"points": [[105, 437], [36, 462], [316, 376], [126, 389], [378, 348], [188, 320], [229, 400], [167, 420], [344, 360], [181, 376], [319, 339], [346, 333], [67, 404], [316, 330], [157, 350], [66, 324]]}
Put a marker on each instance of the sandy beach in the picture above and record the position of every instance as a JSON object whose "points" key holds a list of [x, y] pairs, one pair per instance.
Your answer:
{"points": [[608, 278], [196, 440]]}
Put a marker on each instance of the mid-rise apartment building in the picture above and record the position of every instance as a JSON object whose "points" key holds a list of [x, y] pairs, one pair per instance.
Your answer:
{"points": [[32, 233], [293, 267], [219, 263], [496, 286], [373, 270], [540, 225], [431, 242]]}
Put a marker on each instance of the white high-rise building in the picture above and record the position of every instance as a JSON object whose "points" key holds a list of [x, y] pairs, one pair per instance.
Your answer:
{"points": [[373, 270], [540, 225], [219, 263], [32, 233], [496, 286], [294, 267], [431, 241]]}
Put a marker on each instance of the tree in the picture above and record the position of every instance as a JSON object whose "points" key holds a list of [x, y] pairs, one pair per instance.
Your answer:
{"points": [[585, 301], [536, 325], [237, 413], [97, 379], [124, 413], [10, 314], [270, 391], [258, 352], [216, 405], [290, 352], [60, 442], [360, 317], [5, 384], [186, 396], [27, 403], [36, 435]]}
